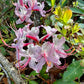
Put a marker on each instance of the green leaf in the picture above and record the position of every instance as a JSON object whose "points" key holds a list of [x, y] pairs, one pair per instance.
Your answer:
{"points": [[22, 58], [80, 3], [58, 11], [47, 22], [63, 2], [0, 68], [52, 18], [75, 28], [64, 82], [67, 15], [63, 14], [7, 2], [20, 25], [66, 48], [59, 36], [81, 25], [60, 24], [64, 31], [4, 10], [33, 73], [81, 53], [81, 38], [43, 72], [76, 10], [73, 71], [82, 17], [2, 50], [82, 48], [1, 73], [33, 82], [53, 2], [48, 2], [76, 40], [12, 82], [22, 75]]}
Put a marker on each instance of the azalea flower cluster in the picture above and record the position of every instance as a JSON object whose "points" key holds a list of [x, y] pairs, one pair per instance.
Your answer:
{"points": [[32, 46], [38, 51], [24, 9]]}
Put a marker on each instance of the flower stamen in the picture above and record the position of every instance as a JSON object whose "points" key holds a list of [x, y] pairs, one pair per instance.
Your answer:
{"points": [[33, 38]]}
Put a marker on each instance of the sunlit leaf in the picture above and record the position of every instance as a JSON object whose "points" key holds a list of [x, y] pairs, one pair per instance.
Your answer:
{"points": [[58, 11], [63, 14], [64, 31], [75, 28], [76, 40], [53, 2], [67, 15]]}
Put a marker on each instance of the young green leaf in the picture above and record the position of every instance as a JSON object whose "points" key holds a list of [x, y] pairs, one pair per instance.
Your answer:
{"points": [[64, 31], [53, 2], [75, 28], [67, 15]]}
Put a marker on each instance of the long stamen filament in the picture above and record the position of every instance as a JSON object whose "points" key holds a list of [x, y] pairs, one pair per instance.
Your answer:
{"points": [[61, 67], [21, 2], [33, 38], [23, 66], [5, 42], [43, 39], [68, 49], [26, 44], [65, 53]]}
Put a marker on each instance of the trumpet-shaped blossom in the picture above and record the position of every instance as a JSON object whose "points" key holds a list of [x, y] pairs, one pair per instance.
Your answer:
{"points": [[21, 37], [38, 53], [36, 6], [24, 10]]}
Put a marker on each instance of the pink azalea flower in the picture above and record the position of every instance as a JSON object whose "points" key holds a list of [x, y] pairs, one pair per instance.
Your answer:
{"points": [[37, 6], [50, 32], [37, 54], [24, 12], [21, 37], [59, 46], [50, 55]]}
